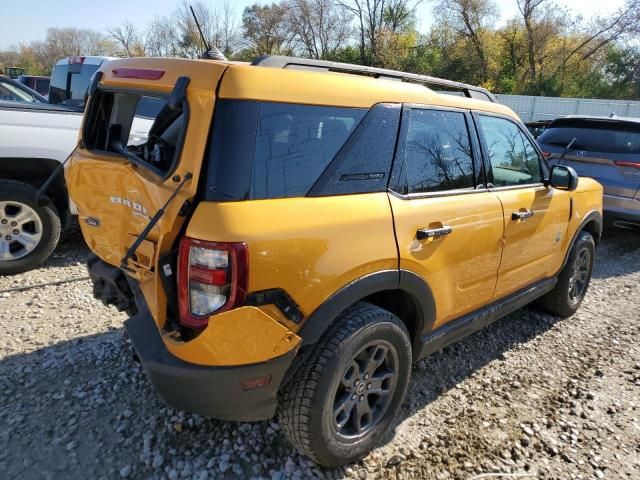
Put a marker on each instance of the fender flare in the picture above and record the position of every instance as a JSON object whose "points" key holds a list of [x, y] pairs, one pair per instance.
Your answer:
{"points": [[408, 282]]}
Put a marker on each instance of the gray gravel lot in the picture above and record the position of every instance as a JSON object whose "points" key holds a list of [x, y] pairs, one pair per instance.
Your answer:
{"points": [[532, 394]]}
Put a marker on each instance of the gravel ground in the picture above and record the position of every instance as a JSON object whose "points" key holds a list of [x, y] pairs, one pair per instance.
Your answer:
{"points": [[532, 394]]}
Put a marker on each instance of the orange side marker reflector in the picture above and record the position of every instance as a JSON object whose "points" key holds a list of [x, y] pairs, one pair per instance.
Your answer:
{"points": [[256, 383]]}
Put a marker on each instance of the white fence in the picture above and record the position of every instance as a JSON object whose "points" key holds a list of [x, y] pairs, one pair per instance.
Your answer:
{"points": [[531, 108]]}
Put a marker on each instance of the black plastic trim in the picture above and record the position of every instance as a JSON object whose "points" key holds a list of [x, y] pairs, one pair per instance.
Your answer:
{"points": [[110, 285], [279, 298], [457, 329], [320, 320]]}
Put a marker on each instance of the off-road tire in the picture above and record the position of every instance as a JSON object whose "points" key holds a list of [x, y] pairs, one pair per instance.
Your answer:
{"points": [[306, 402], [13, 190], [558, 301]]}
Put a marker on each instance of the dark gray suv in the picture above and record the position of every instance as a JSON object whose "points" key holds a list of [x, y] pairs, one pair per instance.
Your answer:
{"points": [[606, 149]]}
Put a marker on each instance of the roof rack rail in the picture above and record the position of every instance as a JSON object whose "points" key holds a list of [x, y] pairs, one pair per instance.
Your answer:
{"points": [[279, 61]]}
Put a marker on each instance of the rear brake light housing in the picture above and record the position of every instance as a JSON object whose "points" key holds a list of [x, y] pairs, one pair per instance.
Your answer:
{"points": [[76, 60], [212, 278], [622, 163], [139, 73]]}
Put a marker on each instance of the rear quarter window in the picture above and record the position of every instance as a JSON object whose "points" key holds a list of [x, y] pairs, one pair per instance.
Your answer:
{"points": [[264, 150], [294, 144]]}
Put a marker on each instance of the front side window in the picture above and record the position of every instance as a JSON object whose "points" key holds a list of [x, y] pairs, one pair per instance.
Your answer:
{"points": [[294, 144], [437, 152], [513, 158]]}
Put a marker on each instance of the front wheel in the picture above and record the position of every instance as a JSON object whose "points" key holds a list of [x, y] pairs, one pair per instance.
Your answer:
{"points": [[28, 232], [573, 280], [342, 401]]}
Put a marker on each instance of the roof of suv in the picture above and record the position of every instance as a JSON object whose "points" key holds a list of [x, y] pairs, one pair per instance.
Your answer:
{"points": [[304, 86], [338, 89]]}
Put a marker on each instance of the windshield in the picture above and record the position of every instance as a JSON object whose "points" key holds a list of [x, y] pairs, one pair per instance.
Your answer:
{"points": [[594, 136]]}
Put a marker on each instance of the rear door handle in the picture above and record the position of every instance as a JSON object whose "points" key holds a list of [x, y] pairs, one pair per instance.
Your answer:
{"points": [[521, 215], [425, 233]]}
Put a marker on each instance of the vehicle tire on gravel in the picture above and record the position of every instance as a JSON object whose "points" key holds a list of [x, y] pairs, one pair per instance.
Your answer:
{"points": [[573, 280], [29, 232], [342, 400]]}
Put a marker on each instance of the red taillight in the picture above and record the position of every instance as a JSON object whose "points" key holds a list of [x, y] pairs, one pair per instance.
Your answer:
{"points": [[76, 60], [546, 154], [140, 73], [212, 278], [622, 163]]}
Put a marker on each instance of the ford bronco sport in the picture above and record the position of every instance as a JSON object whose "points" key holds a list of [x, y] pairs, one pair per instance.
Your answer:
{"points": [[292, 235]]}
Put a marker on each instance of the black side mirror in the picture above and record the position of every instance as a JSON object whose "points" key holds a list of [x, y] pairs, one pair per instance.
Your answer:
{"points": [[563, 178]]}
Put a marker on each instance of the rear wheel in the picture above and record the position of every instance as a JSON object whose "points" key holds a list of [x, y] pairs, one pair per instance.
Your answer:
{"points": [[28, 232], [573, 280], [342, 401]]}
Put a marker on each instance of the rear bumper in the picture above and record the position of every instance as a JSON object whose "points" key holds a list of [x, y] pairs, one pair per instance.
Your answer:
{"points": [[209, 391], [622, 208]]}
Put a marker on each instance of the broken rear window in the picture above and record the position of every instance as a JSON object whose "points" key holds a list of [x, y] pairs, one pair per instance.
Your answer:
{"points": [[142, 128]]}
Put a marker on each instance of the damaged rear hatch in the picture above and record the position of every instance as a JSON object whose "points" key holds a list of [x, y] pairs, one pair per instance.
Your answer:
{"points": [[144, 136]]}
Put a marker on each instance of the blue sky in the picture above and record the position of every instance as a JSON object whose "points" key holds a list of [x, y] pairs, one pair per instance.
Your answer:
{"points": [[28, 20]]}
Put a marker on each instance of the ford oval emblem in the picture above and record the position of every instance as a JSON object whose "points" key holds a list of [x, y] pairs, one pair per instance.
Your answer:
{"points": [[582, 153], [92, 221]]}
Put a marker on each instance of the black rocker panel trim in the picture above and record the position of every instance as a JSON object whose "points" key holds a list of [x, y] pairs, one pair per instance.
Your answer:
{"points": [[458, 329]]}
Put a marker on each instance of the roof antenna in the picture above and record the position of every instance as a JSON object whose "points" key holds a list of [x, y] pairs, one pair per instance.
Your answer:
{"points": [[210, 53]]}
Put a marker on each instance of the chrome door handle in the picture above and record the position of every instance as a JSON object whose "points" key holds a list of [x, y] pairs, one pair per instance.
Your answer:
{"points": [[521, 215], [425, 233]]}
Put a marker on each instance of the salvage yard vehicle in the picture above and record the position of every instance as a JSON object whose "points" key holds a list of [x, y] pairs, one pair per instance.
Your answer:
{"points": [[35, 138], [294, 234], [606, 149]]}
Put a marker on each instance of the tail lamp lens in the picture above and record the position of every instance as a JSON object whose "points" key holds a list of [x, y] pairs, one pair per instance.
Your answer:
{"points": [[622, 163], [212, 278]]}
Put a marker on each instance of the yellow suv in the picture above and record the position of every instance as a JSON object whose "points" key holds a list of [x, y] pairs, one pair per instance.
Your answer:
{"points": [[290, 236]]}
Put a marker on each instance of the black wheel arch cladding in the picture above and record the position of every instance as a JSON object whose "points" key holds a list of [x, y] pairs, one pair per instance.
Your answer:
{"points": [[403, 281]]}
